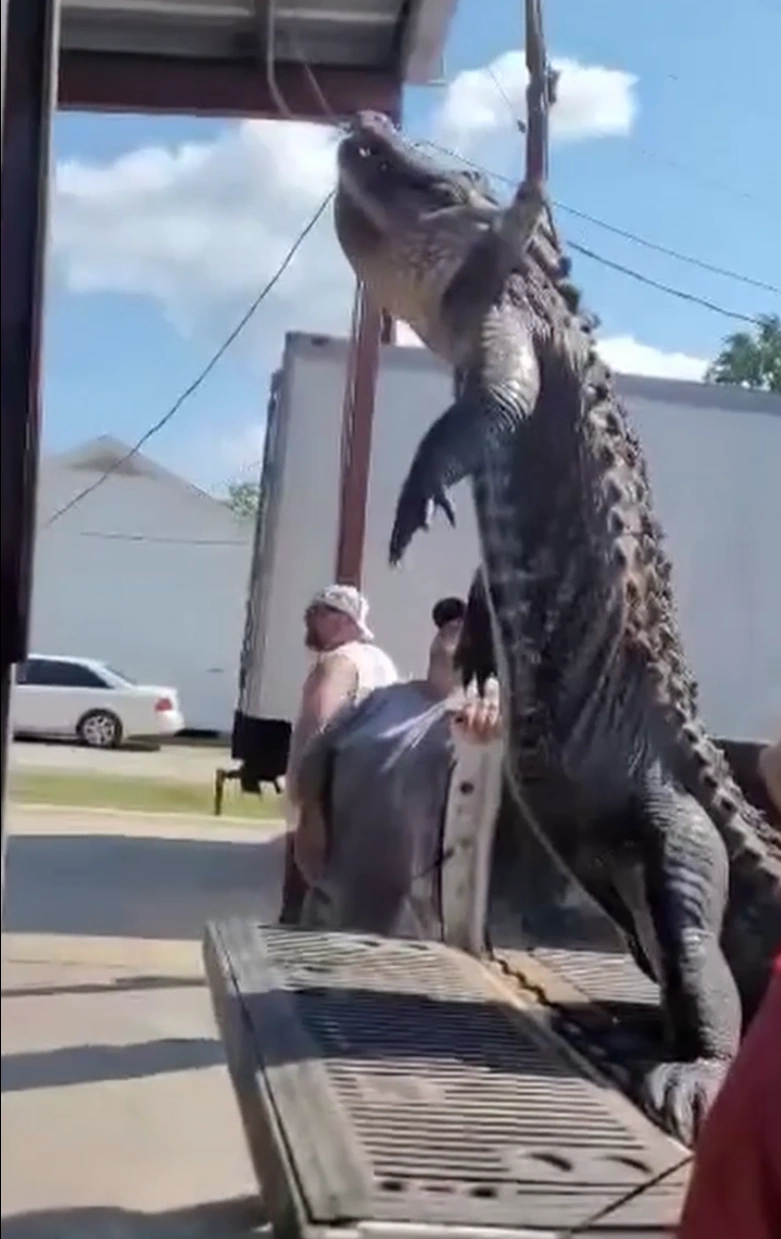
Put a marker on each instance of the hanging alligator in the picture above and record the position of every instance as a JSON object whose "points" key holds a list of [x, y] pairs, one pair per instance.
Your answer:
{"points": [[575, 596]]}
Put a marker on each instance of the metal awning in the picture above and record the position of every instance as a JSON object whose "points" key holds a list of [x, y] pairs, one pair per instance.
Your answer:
{"points": [[209, 55]]}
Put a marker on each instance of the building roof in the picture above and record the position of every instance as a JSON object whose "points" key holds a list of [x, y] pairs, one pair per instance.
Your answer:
{"points": [[369, 42], [106, 455]]}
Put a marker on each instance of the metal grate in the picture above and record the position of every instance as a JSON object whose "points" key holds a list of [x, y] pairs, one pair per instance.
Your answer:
{"points": [[408, 1088], [604, 977]]}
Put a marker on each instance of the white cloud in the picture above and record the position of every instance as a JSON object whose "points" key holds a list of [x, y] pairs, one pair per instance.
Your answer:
{"points": [[202, 226], [629, 356], [622, 353], [592, 102]]}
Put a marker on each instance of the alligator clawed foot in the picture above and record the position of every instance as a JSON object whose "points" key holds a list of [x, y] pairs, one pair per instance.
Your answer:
{"points": [[442, 502], [679, 1094], [415, 512]]}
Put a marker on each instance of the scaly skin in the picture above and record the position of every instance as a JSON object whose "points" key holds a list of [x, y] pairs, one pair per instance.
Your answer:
{"points": [[640, 804]]}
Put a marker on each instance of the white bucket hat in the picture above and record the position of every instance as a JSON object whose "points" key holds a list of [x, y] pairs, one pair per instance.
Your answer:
{"points": [[348, 600]]}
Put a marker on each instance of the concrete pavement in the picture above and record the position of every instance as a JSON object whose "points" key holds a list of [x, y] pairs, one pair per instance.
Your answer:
{"points": [[118, 1120]]}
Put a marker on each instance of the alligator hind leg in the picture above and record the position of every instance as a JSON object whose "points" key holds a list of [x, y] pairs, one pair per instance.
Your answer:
{"points": [[686, 886], [475, 656]]}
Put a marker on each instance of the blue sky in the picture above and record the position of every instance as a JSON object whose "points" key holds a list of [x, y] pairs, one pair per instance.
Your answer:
{"points": [[698, 172]]}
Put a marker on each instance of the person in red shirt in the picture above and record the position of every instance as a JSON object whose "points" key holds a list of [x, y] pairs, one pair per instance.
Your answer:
{"points": [[735, 1188]]}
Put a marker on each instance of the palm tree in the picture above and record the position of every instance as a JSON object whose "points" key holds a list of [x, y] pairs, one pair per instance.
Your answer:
{"points": [[751, 359]]}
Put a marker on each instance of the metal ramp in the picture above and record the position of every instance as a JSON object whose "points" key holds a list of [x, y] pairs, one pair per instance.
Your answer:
{"points": [[400, 1088]]}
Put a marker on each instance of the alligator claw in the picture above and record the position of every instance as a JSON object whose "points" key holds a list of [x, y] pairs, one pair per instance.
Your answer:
{"points": [[440, 501], [415, 512], [446, 506], [679, 1094]]}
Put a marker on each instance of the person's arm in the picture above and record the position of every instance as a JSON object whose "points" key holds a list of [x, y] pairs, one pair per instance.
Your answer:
{"points": [[330, 684]]}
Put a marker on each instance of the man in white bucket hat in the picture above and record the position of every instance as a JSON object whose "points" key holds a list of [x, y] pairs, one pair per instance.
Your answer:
{"points": [[348, 666]]}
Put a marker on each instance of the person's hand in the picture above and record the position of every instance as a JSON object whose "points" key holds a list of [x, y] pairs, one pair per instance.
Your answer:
{"points": [[477, 719]]}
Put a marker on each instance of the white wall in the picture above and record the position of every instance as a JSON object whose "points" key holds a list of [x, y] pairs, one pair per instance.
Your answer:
{"points": [[301, 550], [716, 478], [150, 575]]}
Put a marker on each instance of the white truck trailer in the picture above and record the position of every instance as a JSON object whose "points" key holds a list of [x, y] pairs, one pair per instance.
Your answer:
{"points": [[714, 455]]}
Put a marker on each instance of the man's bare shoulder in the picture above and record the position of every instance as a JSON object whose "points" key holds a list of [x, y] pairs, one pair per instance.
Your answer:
{"points": [[330, 667]]}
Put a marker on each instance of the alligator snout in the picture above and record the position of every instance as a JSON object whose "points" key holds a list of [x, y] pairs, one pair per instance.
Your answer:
{"points": [[371, 124]]}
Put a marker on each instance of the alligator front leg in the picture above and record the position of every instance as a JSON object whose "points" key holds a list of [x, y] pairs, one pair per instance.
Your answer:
{"points": [[497, 392], [443, 458], [687, 880]]}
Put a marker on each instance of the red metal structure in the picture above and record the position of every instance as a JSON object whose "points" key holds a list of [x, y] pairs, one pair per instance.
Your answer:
{"points": [[261, 58]]}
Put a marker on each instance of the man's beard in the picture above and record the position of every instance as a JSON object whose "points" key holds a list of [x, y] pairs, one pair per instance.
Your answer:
{"points": [[313, 642]]}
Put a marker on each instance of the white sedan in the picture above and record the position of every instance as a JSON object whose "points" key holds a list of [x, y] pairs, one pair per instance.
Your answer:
{"points": [[83, 697]]}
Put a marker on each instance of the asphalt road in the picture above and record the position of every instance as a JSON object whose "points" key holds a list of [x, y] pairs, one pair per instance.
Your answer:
{"points": [[190, 764]]}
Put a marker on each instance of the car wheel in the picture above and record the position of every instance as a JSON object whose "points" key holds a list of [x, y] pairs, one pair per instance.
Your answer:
{"points": [[100, 729]]}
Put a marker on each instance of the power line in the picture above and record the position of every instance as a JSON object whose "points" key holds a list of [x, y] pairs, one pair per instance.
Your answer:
{"points": [[204, 373], [671, 253], [656, 246], [676, 254], [681, 294], [664, 288], [255, 304], [626, 234]]}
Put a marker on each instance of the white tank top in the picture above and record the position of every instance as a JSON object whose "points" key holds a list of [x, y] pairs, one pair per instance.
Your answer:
{"points": [[374, 669]]}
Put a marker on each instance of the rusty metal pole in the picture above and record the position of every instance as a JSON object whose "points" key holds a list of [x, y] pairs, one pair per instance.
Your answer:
{"points": [[30, 52], [357, 425]]}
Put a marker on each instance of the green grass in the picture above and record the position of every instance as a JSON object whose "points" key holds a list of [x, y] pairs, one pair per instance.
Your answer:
{"points": [[102, 791]]}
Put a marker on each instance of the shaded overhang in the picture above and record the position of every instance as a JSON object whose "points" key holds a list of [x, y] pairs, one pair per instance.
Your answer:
{"points": [[209, 57]]}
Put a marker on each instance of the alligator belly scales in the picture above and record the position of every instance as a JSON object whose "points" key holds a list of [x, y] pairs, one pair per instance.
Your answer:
{"points": [[573, 603]]}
